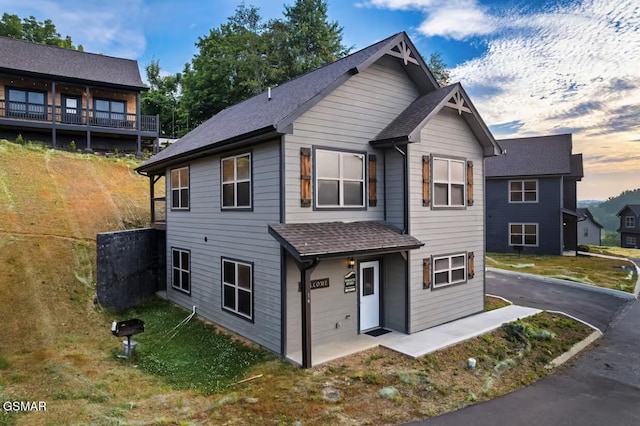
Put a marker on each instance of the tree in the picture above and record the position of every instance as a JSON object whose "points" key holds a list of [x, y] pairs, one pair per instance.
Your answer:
{"points": [[30, 29], [245, 56], [306, 39], [439, 69], [162, 98]]}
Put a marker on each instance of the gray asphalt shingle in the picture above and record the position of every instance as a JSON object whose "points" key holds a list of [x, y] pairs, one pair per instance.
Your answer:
{"points": [[71, 64], [326, 239], [544, 155]]}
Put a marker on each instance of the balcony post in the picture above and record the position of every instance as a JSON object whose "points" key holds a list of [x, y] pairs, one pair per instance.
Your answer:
{"points": [[138, 112], [88, 148], [53, 114], [152, 198]]}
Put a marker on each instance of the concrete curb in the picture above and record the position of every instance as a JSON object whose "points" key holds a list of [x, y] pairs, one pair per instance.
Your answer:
{"points": [[575, 349], [499, 297], [609, 291]]}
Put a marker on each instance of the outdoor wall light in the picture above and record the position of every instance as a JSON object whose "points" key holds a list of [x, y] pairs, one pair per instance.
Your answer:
{"points": [[352, 262]]}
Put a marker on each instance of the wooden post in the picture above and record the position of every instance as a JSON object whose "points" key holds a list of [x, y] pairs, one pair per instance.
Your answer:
{"points": [[151, 197], [88, 120], [53, 114], [305, 294]]}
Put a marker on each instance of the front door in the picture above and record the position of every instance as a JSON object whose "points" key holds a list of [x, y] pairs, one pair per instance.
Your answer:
{"points": [[71, 109], [369, 295]]}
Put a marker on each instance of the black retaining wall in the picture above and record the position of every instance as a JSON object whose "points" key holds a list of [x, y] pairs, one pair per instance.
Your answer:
{"points": [[130, 266]]}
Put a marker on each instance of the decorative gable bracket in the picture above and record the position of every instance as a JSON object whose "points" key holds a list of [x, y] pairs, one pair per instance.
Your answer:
{"points": [[457, 102], [402, 51]]}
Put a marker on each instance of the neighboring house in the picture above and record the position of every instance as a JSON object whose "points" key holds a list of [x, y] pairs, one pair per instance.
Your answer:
{"points": [[57, 95], [531, 196], [629, 226], [589, 230], [340, 202]]}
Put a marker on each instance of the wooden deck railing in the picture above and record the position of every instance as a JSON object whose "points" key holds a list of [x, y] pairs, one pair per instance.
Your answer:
{"points": [[24, 111]]}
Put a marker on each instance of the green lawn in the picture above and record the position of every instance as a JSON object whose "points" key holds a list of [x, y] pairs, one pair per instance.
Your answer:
{"points": [[596, 271]]}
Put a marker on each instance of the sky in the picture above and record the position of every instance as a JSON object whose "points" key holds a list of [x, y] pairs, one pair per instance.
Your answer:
{"points": [[531, 68]]}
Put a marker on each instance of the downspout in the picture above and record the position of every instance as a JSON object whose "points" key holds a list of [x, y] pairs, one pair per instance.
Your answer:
{"points": [[405, 219], [305, 302]]}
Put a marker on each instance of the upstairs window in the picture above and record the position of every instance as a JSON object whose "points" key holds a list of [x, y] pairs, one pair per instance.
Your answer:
{"points": [[27, 104], [106, 109], [236, 182], [339, 179], [629, 222], [449, 182], [180, 188], [523, 191], [523, 234]]}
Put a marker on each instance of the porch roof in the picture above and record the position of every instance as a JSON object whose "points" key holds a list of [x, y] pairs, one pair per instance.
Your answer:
{"points": [[306, 241]]}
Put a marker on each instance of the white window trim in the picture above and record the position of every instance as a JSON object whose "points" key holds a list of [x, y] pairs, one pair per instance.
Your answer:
{"points": [[237, 288], [522, 191], [631, 240], [236, 181], [449, 182], [181, 269], [179, 188], [522, 224], [341, 181], [449, 270], [629, 222]]}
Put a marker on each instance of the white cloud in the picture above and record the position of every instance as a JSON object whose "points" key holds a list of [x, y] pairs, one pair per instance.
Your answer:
{"points": [[114, 28], [457, 19]]}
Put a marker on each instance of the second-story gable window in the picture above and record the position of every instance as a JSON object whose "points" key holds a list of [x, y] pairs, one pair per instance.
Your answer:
{"points": [[339, 179], [629, 222], [448, 182], [236, 182], [180, 188], [523, 191]]}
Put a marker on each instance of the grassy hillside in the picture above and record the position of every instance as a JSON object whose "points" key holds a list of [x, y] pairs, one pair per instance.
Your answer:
{"points": [[52, 204], [605, 212]]}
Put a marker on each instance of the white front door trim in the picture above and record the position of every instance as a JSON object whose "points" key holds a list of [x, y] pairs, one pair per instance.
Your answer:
{"points": [[369, 294]]}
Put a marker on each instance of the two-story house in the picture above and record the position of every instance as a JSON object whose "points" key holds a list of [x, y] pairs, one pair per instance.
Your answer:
{"points": [[629, 226], [589, 230], [55, 95], [346, 201], [531, 196]]}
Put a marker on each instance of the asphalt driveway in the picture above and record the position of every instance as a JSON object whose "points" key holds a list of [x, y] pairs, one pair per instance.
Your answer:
{"points": [[601, 387], [598, 309]]}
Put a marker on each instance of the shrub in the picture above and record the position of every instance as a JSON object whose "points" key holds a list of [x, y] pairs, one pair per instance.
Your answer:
{"points": [[73, 147], [20, 139], [582, 247]]}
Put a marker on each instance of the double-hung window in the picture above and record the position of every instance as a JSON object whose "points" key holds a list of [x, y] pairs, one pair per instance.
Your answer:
{"points": [[448, 182], [523, 234], [523, 191], [236, 182], [237, 287], [631, 241], [181, 268], [180, 188], [451, 269], [109, 110], [339, 179], [27, 104], [629, 222]]}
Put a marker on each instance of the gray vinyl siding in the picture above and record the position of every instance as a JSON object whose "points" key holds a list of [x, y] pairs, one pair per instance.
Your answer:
{"points": [[445, 231], [394, 187], [593, 233], [233, 234], [329, 306], [394, 292], [546, 213], [347, 119]]}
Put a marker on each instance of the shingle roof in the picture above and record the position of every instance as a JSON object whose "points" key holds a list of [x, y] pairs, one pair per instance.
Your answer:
{"points": [[260, 113], [414, 114], [53, 61], [584, 212], [535, 156], [635, 208], [336, 239]]}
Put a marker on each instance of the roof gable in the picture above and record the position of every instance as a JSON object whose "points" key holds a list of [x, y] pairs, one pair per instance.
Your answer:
{"points": [[261, 115], [585, 213], [43, 60], [535, 156], [407, 126], [634, 208]]}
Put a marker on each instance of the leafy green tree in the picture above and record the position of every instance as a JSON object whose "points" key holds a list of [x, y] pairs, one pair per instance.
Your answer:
{"points": [[30, 29], [439, 69], [162, 98]]}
